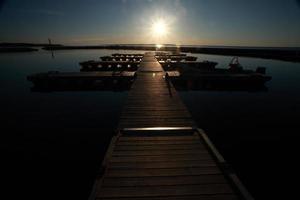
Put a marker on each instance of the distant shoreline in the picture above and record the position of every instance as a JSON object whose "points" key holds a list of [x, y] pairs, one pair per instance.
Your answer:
{"points": [[16, 49], [286, 54]]}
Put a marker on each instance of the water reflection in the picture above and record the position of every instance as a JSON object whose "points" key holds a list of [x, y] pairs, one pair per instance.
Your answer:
{"points": [[199, 85], [115, 85]]}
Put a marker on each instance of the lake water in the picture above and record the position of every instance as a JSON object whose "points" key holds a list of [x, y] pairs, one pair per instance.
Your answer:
{"points": [[56, 141]]}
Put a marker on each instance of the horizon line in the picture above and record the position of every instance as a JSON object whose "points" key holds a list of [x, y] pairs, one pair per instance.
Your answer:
{"points": [[150, 44]]}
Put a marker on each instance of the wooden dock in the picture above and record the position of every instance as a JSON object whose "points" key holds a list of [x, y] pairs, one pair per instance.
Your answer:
{"points": [[153, 101], [83, 81], [158, 152], [109, 65], [55, 76], [121, 58], [177, 58]]}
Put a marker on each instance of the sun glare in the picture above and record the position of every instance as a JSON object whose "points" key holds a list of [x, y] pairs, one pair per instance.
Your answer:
{"points": [[159, 28]]}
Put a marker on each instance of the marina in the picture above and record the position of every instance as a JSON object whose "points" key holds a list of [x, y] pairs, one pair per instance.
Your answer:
{"points": [[201, 75], [136, 164]]}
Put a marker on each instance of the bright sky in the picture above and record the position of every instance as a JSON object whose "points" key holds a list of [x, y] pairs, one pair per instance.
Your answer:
{"points": [[191, 22]]}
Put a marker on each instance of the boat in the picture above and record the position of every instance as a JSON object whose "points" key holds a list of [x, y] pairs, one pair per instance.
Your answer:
{"points": [[234, 75], [190, 58], [177, 58], [61, 81], [202, 65]]}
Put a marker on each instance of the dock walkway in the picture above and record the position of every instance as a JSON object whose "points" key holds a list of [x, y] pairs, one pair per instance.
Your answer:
{"points": [[153, 101], [158, 152]]}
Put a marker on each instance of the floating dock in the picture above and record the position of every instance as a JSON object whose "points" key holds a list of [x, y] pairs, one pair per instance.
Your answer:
{"points": [[186, 75], [55, 75], [120, 58], [109, 65], [158, 151], [62, 81], [139, 55], [175, 58]]}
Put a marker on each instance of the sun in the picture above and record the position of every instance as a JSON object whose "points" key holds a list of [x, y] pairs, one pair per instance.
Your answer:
{"points": [[159, 28]]}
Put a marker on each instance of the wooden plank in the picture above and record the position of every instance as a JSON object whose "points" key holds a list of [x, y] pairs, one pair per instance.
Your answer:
{"points": [[159, 147], [159, 123], [157, 152], [144, 118], [135, 110], [155, 116], [131, 124], [158, 138], [160, 106], [160, 158], [156, 181], [154, 191], [190, 197], [141, 109], [147, 111], [160, 152], [158, 142], [166, 113], [142, 125], [162, 172], [162, 164], [163, 120]]}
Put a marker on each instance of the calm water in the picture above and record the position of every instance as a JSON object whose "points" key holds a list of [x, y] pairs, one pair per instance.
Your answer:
{"points": [[57, 140]]}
